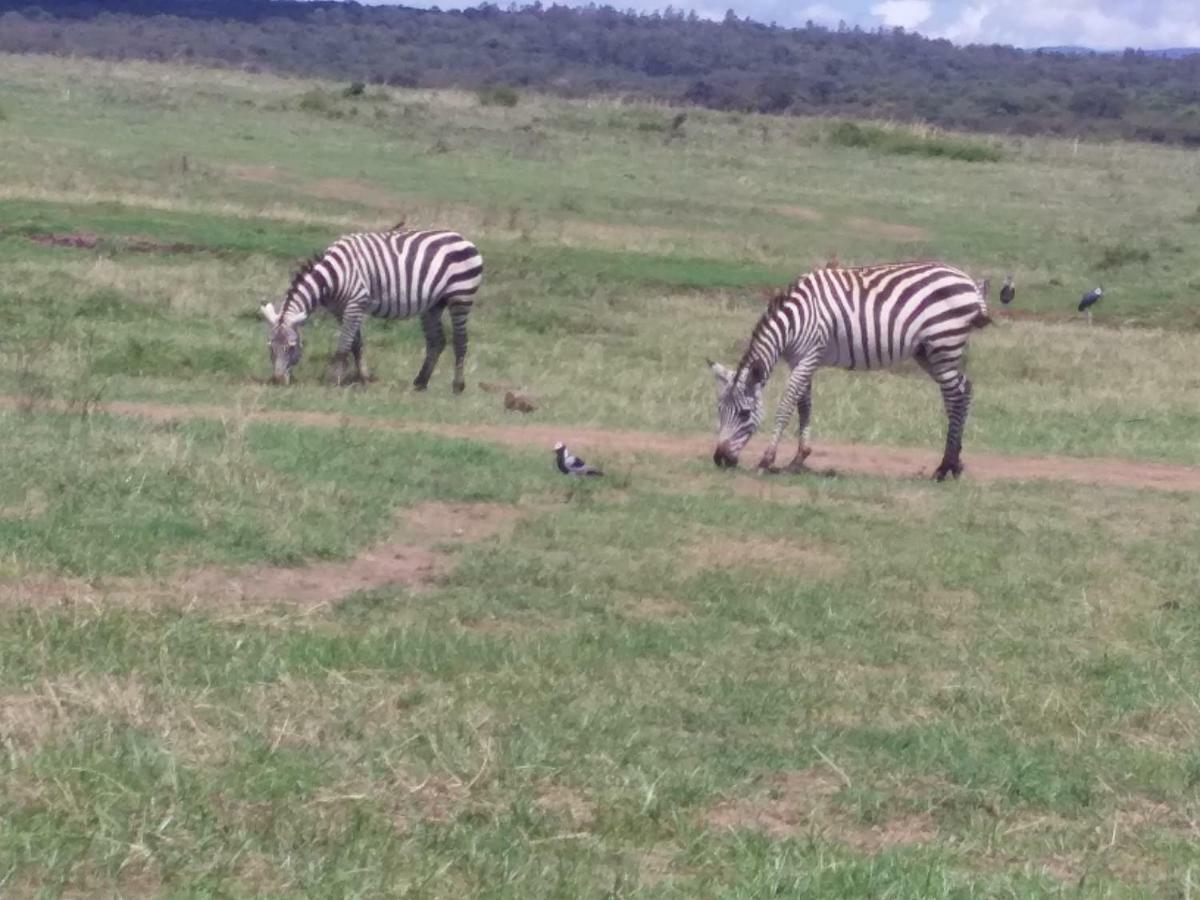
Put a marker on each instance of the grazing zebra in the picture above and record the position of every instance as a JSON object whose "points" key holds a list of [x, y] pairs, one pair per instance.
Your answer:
{"points": [[390, 274], [853, 318]]}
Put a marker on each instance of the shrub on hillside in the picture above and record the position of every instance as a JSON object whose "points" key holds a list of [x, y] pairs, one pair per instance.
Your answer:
{"points": [[905, 142], [498, 95]]}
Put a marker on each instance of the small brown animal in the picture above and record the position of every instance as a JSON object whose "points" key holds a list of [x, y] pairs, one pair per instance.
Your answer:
{"points": [[518, 402]]}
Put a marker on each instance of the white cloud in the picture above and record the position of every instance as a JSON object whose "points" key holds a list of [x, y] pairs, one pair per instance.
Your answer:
{"points": [[821, 13], [1102, 24], [903, 13]]}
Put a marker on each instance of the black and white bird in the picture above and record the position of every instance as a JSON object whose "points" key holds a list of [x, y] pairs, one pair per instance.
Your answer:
{"points": [[572, 465], [1007, 291], [1089, 299]]}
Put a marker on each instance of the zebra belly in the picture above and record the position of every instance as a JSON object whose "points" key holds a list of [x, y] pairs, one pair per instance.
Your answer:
{"points": [[841, 355]]}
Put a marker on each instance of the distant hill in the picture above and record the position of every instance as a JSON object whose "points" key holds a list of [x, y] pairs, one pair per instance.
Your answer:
{"points": [[735, 64], [1165, 53]]}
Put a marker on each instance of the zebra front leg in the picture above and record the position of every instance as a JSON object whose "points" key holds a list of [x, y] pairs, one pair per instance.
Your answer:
{"points": [[349, 336], [797, 396], [360, 368], [337, 369], [803, 450], [458, 323], [435, 342]]}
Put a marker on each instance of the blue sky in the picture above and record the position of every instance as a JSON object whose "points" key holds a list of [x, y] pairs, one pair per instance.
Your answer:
{"points": [[1105, 24]]}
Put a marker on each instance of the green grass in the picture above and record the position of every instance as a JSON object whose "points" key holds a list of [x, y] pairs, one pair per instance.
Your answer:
{"points": [[674, 682]]}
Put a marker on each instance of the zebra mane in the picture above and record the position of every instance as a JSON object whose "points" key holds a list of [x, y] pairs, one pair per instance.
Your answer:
{"points": [[305, 268], [774, 304]]}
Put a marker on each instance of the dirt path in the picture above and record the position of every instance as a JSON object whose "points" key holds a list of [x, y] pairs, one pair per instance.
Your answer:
{"points": [[416, 556], [890, 462]]}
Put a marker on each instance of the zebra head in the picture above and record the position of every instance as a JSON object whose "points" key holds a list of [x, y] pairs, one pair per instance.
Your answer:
{"points": [[739, 409], [284, 342]]}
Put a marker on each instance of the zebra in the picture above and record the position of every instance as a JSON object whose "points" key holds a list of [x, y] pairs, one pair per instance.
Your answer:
{"points": [[392, 275], [867, 318]]}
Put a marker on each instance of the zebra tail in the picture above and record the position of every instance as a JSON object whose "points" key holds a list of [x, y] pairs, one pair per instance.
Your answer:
{"points": [[981, 318]]}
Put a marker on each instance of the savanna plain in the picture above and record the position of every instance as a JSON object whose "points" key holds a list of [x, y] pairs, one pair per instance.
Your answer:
{"points": [[260, 641]]}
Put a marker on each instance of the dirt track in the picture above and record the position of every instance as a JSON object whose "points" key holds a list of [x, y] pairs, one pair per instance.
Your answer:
{"points": [[891, 462]]}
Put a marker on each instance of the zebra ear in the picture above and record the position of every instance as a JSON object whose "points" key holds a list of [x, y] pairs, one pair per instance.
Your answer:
{"points": [[295, 317], [268, 313], [720, 372]]}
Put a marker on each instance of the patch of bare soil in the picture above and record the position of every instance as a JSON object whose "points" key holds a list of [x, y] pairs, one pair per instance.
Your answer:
{"points": [[416, 557], [654, 609], [568, 804], [888, 462], [803, 213], [892, 231], [150, 245], [792, 804], [798, 554], [253, 173], [84, 240], [353, 191]]}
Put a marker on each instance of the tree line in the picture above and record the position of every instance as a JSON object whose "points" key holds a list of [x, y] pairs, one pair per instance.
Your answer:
{"points": [[735, 64]]}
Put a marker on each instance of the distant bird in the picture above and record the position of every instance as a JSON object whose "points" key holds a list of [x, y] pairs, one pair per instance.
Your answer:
{"points": [[572, 465], [1007, 291], [1089, 300]]}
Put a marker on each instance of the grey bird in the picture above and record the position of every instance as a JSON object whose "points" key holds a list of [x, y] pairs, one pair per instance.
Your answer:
{"points": [[1007, 291], [1089, 300], [572, 465]]}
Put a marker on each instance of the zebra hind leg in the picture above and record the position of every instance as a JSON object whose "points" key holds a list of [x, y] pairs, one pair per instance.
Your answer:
{"points": [[956, 395], [458, 323], [435, 342]]}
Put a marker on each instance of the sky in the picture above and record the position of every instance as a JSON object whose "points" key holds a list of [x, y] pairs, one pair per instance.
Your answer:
{"points": [[1100, 24]]}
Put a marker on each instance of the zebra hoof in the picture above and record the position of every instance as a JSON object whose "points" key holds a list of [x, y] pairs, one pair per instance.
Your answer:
{"points": [[459, 387], [945, 469], [419, 386]]}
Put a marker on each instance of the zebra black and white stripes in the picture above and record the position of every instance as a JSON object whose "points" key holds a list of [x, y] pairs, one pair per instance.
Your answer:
{"points": [[388, 274], [862, 318]]}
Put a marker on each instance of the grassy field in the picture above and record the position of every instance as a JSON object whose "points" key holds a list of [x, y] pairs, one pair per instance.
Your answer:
{"points": [[243, 658]]}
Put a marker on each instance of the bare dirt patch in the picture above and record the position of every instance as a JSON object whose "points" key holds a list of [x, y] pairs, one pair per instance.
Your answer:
{"points": [[799, 554], [420, 553], [792, 804], [654, 609], [267, 173], [84, 240], [892, 231], [803, 213], [87, 240], [888, 462], [350, 190], [569, 804]]}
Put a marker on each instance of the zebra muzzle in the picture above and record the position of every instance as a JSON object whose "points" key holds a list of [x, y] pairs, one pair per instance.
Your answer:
{"points": [[723, 458]]}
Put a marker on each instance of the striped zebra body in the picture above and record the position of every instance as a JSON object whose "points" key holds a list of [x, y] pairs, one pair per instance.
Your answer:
{"points": [[390, 275], [862, 318]]}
